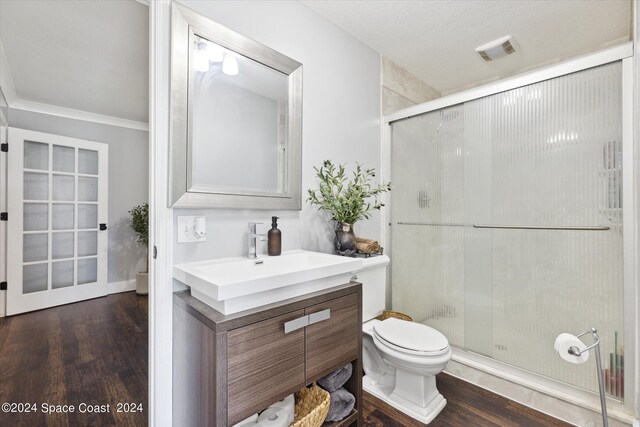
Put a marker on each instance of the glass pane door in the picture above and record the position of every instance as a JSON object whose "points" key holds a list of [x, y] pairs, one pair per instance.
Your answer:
{"points": [[62, 199]]}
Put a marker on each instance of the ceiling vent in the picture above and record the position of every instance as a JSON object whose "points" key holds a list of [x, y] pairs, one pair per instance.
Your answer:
{"points": [[496, 49]]}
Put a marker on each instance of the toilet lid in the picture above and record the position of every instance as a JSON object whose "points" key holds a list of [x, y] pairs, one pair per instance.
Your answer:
{"points": [[411, 335]]}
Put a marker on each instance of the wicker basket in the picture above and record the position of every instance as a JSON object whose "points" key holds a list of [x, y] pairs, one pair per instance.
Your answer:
{"points": [[388, 313], [312, 406]]}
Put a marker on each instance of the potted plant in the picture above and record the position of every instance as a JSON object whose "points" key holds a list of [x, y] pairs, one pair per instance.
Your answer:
{"points": [[140, 224], [347, 200]]}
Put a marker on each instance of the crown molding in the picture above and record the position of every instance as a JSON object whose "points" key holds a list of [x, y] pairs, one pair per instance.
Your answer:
{"points": [[6, 80], [54, 110]]}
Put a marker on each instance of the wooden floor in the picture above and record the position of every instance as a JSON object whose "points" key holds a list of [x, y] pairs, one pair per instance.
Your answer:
{"points": [[95, 352], [92, 352], [467, 405]]}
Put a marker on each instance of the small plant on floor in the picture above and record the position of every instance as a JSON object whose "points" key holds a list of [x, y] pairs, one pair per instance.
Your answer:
{"points": [[140, 224]]}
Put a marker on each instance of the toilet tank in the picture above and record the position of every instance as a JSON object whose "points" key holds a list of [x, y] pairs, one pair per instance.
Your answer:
{"points": [[373, 277]]}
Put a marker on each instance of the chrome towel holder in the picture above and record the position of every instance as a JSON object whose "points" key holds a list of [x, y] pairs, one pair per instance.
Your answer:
{"points": [[595, 345]]}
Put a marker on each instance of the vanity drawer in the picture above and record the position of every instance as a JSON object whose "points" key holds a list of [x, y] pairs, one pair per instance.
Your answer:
{"points": [[264, 364], [335, 337]]}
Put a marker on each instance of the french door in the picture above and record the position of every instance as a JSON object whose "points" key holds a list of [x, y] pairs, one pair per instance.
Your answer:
{"points": [[57, 234]]}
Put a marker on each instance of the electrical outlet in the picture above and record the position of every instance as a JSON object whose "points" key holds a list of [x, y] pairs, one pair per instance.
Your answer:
{"points": [[192, 229]]}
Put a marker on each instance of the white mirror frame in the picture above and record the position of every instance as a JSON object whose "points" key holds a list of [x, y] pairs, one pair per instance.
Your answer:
{"points": [[184, 24]]}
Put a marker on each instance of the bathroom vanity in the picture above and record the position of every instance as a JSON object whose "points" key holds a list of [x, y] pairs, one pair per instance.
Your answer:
{"points": [[228, 367]]}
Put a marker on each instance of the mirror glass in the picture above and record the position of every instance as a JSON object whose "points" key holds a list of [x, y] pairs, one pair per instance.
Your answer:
{"points": [[236, 119], [238, 122]]}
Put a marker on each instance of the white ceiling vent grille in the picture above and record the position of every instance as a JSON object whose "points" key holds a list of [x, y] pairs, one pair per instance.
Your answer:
{"points": [[496, 49]]}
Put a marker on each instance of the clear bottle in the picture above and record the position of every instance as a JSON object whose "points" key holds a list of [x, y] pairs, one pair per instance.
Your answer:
{"points": [[274, 238]]}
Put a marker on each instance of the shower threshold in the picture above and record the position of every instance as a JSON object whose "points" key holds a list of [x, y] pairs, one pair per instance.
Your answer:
{"points": [[544, 394]]}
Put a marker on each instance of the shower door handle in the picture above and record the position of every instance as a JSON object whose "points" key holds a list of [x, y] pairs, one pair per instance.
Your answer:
{"points": [[545, 227]]}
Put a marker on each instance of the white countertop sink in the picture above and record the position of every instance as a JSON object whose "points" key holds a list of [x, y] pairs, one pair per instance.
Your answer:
{"points": [[235, 284]]}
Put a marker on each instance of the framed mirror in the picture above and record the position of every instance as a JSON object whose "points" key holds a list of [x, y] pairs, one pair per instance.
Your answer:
{"points": [[236, 119]]}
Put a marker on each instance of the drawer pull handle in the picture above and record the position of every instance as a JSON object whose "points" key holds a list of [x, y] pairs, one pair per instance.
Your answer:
{"points": [[319, 316], [295, 324]]}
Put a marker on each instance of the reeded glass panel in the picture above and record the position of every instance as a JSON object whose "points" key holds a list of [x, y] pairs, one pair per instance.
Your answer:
{"points": [[62, 246], [36, 186], [62, 274], [87, 189], [556, 159], [36, 155], [88, 161], [35, 216], [63, 188], [87, 216], [545, 155], [87, 243], [428, 232], [34, 278], [35, 247], [64, 159], [87, 270]]}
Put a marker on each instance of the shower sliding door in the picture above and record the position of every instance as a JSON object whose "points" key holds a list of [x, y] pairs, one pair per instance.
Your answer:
{"points": [[507, 222]]}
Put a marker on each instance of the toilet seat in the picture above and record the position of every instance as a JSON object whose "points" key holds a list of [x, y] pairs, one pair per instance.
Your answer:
{"points": [[410, 337]]}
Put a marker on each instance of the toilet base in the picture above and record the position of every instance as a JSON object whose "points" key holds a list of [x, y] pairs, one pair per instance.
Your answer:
{"points": [[422, 414]]}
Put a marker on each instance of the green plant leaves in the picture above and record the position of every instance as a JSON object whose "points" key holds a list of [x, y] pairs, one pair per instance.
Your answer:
{"points": [[346, 199], [140, 223]]}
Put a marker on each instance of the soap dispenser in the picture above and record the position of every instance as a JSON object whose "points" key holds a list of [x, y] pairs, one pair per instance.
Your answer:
{"points": [[274, 238]]}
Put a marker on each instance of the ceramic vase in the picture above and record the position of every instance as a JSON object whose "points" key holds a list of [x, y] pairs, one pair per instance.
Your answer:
{"points": [[345, 240]]}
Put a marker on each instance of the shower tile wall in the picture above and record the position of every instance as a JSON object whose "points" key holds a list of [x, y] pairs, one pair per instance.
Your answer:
{"points": [[545, 154], [401, 89]]}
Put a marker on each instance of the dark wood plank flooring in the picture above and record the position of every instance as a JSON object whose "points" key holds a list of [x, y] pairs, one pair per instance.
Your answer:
{"points": [[467, 405], [96, 352], [92, 352]]}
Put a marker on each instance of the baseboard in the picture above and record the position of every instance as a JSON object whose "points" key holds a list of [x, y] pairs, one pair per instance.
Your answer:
{"points": [[124, 286], [575, 414], [3, 303], [112, 288]]}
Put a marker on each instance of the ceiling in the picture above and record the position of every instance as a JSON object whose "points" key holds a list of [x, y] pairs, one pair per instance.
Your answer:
{"points": [[90, 56], [93, 55], [435, 40]]}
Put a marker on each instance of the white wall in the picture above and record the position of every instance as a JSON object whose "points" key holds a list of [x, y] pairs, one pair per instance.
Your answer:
{"points": [[341, 119], [128, 180]]}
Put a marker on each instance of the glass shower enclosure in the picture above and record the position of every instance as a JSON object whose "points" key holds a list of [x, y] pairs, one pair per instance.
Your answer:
{"points": [[507, 225]]}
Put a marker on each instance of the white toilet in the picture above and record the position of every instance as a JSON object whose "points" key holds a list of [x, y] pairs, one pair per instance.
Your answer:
{"points": [[400, 358]]}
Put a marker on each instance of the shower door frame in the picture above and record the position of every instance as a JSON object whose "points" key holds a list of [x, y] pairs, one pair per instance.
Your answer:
{"points": [[630, 187]]}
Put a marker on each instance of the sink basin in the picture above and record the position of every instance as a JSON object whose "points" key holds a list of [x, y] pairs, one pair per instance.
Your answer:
{"points": [[230, 285]]}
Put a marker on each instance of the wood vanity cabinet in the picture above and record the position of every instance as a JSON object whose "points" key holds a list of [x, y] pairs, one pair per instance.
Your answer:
{"points": [[226, 368]]}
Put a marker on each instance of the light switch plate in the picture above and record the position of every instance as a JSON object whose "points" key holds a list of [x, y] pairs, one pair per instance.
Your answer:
{"points": [[187, 229]]}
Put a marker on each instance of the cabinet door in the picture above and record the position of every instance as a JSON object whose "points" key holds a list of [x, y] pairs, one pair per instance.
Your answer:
{"points": [[264, 365], [334, 340]]}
